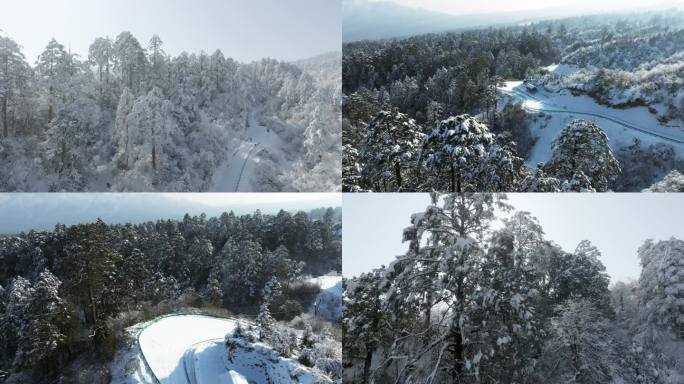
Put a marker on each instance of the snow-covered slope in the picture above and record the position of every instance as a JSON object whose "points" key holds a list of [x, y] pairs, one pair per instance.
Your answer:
{"points": [[555, 110], [328, 303]]}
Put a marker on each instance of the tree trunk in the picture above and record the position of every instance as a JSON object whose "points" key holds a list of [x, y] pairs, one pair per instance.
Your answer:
{"points": [[370, 348], [64, 150], [458, 183], [5, 129], [154, 157], [458, 354], [130, 76], [453, 179], [397, 170]]}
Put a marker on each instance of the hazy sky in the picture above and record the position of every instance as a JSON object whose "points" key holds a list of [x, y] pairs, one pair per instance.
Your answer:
{"points": [[25, 211], [243, 29], [459, 7], [615, 223]]}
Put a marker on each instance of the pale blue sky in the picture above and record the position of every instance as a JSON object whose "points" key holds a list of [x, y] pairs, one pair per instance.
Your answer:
{"points": [[461, 7], [616, 223], [245, 30]]}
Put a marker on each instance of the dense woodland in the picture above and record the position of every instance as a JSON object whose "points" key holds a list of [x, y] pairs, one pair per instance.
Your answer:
{"points": [[130, 117], [474, 302], [66, 295], [400, 93]]}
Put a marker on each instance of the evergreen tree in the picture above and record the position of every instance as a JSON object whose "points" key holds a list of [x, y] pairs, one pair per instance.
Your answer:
{"points": [[265, 320], [362, 323], [44, 330], [582, 148], [14, 74], [91, 264], [661, 284], [391, 149], [122, 133]]}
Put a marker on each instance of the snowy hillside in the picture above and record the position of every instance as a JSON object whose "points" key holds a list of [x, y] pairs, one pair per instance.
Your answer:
{"points": [[328, 302], [416, 109], [137, 119]]}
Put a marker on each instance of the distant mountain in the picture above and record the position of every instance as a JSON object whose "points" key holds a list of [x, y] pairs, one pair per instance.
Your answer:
{"points": [[363, 20]]}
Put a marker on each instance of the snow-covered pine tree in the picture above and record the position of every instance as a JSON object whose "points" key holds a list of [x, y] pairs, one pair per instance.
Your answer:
{"points": [[122, 134], [539, 181], [512, 328], [351, 175], [390, 152], [129, 61], [53, 69], [462, 155], [19, 296], [582, 148], [45, 327], [265, 320], [580, 346], [661, 284], [580, 274], [441, 348], [101, 53], [672, 182], [503, 170], [91, 264], [362, 323], [453, 152], [13, 76]]}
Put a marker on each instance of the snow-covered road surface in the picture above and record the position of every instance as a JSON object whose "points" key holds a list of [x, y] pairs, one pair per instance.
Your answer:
{"points": [[533, 103], [165, 343], [235, 173]]}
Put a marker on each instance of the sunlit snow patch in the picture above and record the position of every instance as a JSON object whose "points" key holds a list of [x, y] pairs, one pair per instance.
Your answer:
{"points": [[533, 104]]}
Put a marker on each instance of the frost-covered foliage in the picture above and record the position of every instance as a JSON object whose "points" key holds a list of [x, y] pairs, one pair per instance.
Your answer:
{"points": [[314, 358], [460, 154], [580, 344], [470, 302], [130, 118], [662, 283], [539, 181], [582, 158], [392, 147], [642, 165], [672, 182]]}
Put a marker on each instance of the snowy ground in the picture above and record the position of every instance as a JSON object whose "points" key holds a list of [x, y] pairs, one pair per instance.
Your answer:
{"points": [[189, 349], [165, 343], [555, 110], [329, 299], [237, 172]]}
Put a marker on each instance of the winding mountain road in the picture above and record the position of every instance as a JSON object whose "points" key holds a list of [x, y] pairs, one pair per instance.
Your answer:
{"points": [[535, 104]]}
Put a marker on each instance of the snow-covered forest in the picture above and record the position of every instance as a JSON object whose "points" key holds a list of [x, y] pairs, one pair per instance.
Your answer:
{"points": [[90, 303], [130, 117], [489, 109], [482, 296]]}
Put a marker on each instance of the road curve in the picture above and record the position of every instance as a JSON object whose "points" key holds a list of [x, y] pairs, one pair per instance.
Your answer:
{"points": [[237, 185], [164, 342], [525, 96]]}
